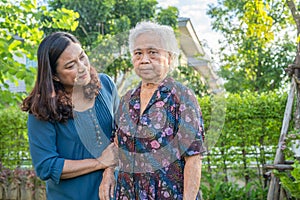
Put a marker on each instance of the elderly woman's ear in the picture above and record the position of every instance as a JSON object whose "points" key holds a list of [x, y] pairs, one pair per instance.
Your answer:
{"points": [[170, 58]]}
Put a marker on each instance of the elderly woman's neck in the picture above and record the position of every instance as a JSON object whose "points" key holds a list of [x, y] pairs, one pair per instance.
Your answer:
{"points": [[154, 83], [150, 85], [147, 91]]}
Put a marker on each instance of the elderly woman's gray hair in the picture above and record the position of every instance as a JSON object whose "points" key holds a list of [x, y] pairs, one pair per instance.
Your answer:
{"points": [[165, 33]]}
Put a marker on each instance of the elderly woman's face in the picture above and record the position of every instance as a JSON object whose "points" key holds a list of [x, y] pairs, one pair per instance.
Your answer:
{"points": [[73, 67], [150, 61]]}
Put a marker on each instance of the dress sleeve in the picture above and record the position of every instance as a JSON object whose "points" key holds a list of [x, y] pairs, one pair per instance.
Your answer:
{"points": [[191, 127], [42, 142]]}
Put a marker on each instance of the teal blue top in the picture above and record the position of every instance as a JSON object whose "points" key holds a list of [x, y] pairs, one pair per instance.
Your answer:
{"points": [[52, 143]]}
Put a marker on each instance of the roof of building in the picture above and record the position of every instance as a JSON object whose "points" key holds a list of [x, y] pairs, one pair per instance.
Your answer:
{"points": [[196, 57]]}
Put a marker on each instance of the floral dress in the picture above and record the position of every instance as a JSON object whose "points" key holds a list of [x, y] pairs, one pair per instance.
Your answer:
{"points": [[153, 145]]}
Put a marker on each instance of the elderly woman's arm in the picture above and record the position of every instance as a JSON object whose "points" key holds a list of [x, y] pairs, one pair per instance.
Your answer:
{"points": [[192, 176]]}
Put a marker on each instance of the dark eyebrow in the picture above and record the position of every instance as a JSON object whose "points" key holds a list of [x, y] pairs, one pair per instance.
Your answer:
{"points": [[153, 48], [81, 53], [66, 64], [148, 48], [137, 49]]}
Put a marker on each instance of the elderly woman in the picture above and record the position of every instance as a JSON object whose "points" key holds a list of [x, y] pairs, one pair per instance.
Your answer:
{"points": [[159, 128]]}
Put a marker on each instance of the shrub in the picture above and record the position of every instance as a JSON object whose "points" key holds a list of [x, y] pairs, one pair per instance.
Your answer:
{"points": [[14, 145]]}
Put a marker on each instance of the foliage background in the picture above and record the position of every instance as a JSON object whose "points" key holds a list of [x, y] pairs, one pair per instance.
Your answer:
{"points": [[20, 34], [259, 43], [253, 57], [247, 142]]}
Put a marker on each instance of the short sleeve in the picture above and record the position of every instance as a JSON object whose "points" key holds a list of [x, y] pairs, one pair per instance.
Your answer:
{"points": [[42, 143], [191, 127]]}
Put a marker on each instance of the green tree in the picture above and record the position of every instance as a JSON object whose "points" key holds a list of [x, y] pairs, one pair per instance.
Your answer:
{"points": [[20, 35], [103, 30], [92, 20], [110, 16], [256, 47], [191, 78], [168, 16]]}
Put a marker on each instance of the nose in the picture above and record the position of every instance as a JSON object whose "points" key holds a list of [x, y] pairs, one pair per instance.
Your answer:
{"points": [[81, 67], [145, 58]]}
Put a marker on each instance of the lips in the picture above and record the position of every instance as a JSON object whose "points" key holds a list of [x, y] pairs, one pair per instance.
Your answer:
{"points": [[84, 76], [146, 69], [81, 78]]}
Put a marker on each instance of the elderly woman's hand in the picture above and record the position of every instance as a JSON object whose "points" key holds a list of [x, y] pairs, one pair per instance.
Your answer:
{"points": [[109, 156], [107, 186]]}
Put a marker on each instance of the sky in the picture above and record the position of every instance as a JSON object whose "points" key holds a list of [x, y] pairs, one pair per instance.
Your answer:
{"points": [[196, 11]]}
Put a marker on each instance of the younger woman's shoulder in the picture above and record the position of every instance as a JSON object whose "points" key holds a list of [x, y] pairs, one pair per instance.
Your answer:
{"points": [[105, 78], [106, 81]]}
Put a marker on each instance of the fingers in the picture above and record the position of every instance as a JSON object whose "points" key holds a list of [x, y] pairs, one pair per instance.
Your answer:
{"points": [[116, 141], [112, 189], [107, 186], [104, 192], [110, 174]]}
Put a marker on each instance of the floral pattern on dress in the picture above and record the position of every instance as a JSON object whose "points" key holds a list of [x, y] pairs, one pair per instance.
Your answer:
{"points": [[153, 144]]}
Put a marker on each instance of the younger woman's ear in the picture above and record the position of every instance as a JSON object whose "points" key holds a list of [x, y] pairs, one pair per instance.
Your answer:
{"points": [[55, 78]]}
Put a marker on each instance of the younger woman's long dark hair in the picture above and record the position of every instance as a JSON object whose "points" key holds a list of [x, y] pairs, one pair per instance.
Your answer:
{"points": [[48, 100]]}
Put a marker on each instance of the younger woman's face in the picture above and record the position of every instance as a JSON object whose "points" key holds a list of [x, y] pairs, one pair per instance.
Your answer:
{"points": [[73, 67]]}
